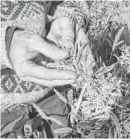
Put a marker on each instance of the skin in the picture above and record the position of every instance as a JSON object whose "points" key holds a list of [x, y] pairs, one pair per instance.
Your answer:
{"points": [[25, 46], [62, 32]]}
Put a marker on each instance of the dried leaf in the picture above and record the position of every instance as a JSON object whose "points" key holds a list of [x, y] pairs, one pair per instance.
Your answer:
{"points": [[80, 51], [75, 50], [118, 35], [80, 98], [116, 123], [70, 98], [110, 133], [102, 70], [72, 119], [60, 96], [43, 115], [64, 130], [54, 120], [120, 42], [8, 128], [40, 111]]}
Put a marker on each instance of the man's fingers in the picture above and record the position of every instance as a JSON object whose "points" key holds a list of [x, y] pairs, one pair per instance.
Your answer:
{"points": [[68, 38], [47, 82], [63, 29], [50, 50], [41, 72], [51, 37], [55, 53], [68, 32], [54, 39]]}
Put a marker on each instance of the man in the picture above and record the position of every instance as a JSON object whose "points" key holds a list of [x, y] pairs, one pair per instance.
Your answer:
{"points": [[24, 44]]}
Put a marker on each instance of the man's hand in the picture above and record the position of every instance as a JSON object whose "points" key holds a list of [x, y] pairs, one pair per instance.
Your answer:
{"points": [[26, 46], [62, 32]]}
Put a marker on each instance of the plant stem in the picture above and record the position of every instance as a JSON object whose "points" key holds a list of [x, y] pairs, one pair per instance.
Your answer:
{"points": [[80, 98]]}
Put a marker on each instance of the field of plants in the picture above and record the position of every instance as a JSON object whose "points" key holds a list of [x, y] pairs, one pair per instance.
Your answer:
{"points": [[100, 99]]}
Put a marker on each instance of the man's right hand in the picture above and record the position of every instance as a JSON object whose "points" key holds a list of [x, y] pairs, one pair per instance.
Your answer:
{"points": [[24, 47]]}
